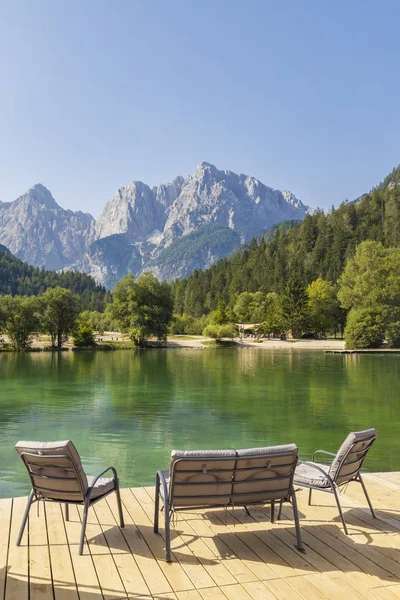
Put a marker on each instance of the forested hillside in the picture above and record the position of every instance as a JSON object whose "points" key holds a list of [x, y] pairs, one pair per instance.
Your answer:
{"points": [[19, 278], [316, 247]]}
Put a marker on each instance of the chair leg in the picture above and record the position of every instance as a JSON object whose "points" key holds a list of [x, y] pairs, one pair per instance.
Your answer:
{"points": [[280, 510], [272, 511], [67, 512], [167, 534], [299, 545], [156, 503], [119, 503], [309, 497], [366, 495], [340, 509], [25, 518], [83, 528]]}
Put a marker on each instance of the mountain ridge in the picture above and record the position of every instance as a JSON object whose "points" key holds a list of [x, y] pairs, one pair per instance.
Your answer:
{"points": [[147, 220]]}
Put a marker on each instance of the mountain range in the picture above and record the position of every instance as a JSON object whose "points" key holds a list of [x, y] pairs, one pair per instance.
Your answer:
{"points": [[170, 229]]}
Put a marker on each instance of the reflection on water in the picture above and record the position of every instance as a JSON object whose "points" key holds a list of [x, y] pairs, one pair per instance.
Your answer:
{"points": [[130, 408]]}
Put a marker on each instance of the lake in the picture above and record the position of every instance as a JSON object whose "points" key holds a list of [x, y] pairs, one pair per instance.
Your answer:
{"points": [[131, 408]]}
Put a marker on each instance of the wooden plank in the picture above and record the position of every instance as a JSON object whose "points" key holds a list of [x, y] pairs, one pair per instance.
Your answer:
{"points": [[149, 568], [286, 562], [261, 570], [128, 569], [173, 572], [282, 589], [85, 574], [5, 527], [17, 581], [106, 570], [221, 550], [189, 595], [64, 583], [213, 593], [236, 592], [40, 578], [330, 575], [190, 563], [259, 591], [332, 565]]}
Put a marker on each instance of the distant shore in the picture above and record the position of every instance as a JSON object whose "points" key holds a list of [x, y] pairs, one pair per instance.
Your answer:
{"points": [[116, 341]]}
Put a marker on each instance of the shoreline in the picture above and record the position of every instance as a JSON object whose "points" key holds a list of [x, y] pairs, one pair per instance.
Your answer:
{"points": [[107, 342]]}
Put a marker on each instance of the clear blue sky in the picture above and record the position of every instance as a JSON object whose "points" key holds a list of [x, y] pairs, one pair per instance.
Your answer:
{"points": [[95, 94]]}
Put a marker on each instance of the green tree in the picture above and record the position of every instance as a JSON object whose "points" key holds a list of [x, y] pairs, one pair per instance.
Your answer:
{"points": [[143, 308], [83, 334], [258, 307], [19, 319], [273, 320], [294, 306], [60, 310], [221, 316], [243, 308], [321, 303], [370, 288], [364, 328]]}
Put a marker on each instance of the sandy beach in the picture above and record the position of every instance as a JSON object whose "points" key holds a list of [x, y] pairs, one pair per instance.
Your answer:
{"points": [[183, 341]]}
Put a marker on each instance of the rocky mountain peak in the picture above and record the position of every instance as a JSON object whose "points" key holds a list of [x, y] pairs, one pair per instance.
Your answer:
{"points": [[39, 194], [169, 229]]}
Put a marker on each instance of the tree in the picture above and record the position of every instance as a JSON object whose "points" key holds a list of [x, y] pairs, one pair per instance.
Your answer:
{"points": [[364, 328], [60, 309], [143, 308], [220, 317], [218, 332], [19, 319], [273, 320], [257, 307], [294, 303], [370, 284], [84, 332], [321, 303], [242, 308]]}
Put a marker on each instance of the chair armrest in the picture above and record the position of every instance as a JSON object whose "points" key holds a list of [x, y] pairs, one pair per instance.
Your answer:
{"points": [[163, 482], [321, 452], [115, 477]]}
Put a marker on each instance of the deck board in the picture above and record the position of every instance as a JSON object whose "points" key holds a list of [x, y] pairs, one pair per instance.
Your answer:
{"points": [[217, 554]]}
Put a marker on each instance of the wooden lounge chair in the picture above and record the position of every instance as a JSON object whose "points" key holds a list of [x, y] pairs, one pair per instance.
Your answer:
{"points": [[345, 468], [223, 478], [56, 475]]}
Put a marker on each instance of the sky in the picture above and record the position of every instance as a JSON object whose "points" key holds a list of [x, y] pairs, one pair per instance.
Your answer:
{"points": [[96, 94]]}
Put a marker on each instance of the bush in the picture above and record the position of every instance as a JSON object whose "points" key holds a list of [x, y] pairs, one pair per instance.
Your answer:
{"points": [[218, 332], [83, 334], [393, 334], [187, 325], [365, 328]]}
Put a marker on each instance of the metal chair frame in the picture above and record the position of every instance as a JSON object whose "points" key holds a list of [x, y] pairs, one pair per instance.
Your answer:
{"points": [[168, 496], [335, 487], [86, 500]]}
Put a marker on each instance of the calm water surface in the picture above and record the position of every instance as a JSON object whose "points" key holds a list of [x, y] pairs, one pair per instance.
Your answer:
{"points": [[129, 409]]}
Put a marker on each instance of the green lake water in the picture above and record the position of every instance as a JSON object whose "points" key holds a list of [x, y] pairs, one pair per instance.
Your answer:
{"points": [[131, 408]]}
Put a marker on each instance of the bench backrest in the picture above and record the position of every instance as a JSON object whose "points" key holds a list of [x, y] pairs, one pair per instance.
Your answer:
{"points": [[55, 470], [231, 477]]}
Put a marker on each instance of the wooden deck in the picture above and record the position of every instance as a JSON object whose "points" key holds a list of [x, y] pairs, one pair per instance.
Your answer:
{"points": [[217, 555]]}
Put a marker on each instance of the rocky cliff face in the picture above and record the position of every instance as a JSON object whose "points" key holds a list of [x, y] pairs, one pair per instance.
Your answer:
{"points": [[38, 231], [169, 229]]}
